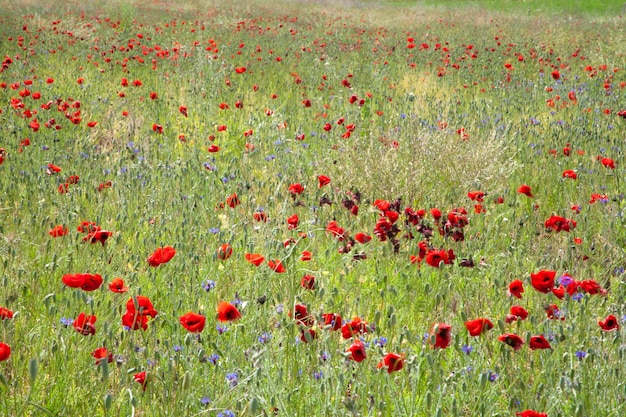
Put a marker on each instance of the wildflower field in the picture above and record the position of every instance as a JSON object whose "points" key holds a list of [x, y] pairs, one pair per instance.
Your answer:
{"points": [[353, 208]]}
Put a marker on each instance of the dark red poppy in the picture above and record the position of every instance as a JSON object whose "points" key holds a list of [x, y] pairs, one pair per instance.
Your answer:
{"points": [[117, 285], [512, 340], [392, 361], [193, 322], [308, 335], [539, 342], [183, 110], [308, 282], [227, 312], [85, 324], [302, 316], [477, 326], [98, 236], [5, 352], [254, 258], [161, 256], [516, 288], [543, 281], [357, 351], [609, 323], [443, 335]]}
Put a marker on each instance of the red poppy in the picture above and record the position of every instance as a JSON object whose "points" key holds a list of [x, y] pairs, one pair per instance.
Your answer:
{"points": [[525, 189], [543, 281], [106, 184], [224, 251], [302, 316], [5, 313], [161, 256], [306, 256], [333, 320], [590, 286], [539, 342], [227, 312], [608, 163], [213, 149], [293, 221], [512, 340], [570, 173], [141, 378], [98, 236], [516, 288], [531, 413], [308, 282], [308, 335], [134, 321], [436, 257], [141, 305], [392, 361], [323, 180], [519, 311], [362, 237], [553, 312], [296, 189], [193, 322], [87, 282], [558, 223], [609, 323], [58, 231], [476, 196], [335, 230], [183, 110], [84, 324], [117, 285], [556, 75], [357, 351], [477, 326], [53, 169], [276, 266], [598, 197], [355, 327], [102, 353], [232, 201], [5, 352], [443, 335], [254, 258]]}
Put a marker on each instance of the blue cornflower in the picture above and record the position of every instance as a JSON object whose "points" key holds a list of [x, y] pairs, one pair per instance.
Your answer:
{"points": [[467, 349], [221, 329], [205, 400], [265, 337], [226, 413], [213, 358], [232, 379], [177, 348], [580, 354], [208, 285]]}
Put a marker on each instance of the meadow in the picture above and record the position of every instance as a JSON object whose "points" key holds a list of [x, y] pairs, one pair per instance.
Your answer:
{"points": [[315, 208]]}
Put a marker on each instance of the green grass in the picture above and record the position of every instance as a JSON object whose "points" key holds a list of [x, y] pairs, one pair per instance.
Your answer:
{"points": [[407, 143]]}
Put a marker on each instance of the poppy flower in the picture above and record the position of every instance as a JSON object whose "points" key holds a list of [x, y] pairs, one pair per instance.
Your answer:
{"points": [[443, 335], [333, 320], [519, 311], [134, 321], [161, 256], [539, 342], [84, 324], [224, 251], [141, 378], [525, 189], [58, 231], [102, 353], [254, 258], [293, 221], [296, 189], [227, 312], [591, 287], [512, 340], [531, 413], [232, 201], [392, 361], [570, 173], [308, 282], [354, 327], [362, 237], [434, 258], [477, 326], [98, 236], [516, 288], [117, 285], [357, 351], [193, 322], [308, 335], [276, 266], [306, 256], [5, 351], [335, 230], [543, 281], [555, 74], [5, 313], [323, 180], [558, 223], [609, 323], [608, 163], [183, 110], [553, 312], [476, 196], [302, 316], [141, 305], [86, 282]]}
